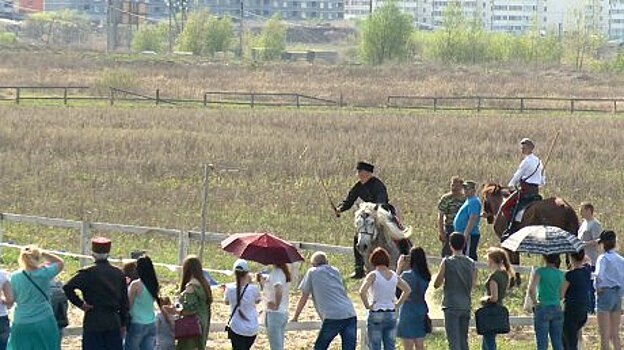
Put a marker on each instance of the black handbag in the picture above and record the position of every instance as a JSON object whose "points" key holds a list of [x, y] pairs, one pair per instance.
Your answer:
{"points": [[492, 318]]}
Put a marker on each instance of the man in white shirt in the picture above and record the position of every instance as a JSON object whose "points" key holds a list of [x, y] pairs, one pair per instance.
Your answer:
{"points": [[527, 179], [530, 173]]}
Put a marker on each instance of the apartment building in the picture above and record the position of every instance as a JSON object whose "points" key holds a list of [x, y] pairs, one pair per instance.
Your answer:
{"points": [[288, 9]]}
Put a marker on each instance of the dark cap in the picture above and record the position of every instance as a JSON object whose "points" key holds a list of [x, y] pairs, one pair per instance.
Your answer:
{"points": [[527, 141], [101, 245], [470, 185], [365, 166], [606, 235]]}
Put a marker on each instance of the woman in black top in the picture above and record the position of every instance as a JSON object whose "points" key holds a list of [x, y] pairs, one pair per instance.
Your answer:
{"points": [[575, 292]]}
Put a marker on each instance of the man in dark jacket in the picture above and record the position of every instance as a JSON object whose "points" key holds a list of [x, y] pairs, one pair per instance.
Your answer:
{"points": [[372, 190], [104, 300]]}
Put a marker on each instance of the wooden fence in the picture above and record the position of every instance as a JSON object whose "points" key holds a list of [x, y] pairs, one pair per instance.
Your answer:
{"points": [[500, 103], [252, 99]]}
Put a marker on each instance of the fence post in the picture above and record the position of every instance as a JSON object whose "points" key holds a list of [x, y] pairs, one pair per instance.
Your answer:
{"points": [[205, 99], [298, 105], [65, 96], [112, 96], [478, 104], [614, 106], [341, 101], [183, 244], [253, 97], [388, 101], [521, 105], [571, 106], [1, 233], [17, 95], [157, 96], [435, 104], [85, 233]]}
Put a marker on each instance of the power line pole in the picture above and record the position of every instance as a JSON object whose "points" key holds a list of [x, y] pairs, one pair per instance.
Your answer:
{"points": [[170, 33], [108, 26], [242, 9]]}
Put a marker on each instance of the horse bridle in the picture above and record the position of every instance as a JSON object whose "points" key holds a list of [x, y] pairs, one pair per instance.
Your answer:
{"points": [[365, 231]]}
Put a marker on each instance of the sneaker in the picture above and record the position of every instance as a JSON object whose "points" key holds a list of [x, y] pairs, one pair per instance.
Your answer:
{"points": [[357, 274]]}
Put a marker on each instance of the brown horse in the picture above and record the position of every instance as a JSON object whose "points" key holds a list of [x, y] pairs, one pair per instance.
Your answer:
{"points": [[552, 211]]}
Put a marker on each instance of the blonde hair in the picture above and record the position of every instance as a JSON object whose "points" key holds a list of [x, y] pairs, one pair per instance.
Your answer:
{"points": [[499, 256], [30, 257]]}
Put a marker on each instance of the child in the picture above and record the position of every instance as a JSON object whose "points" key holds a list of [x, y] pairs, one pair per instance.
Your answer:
{"points": [[164, 326]]}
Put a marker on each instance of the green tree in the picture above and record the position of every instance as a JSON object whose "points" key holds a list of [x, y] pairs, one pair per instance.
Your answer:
{"points": [[58, 27], [385, 34], [205, 34], [450, 38], [582, 39], [149, 38], [273, 38], [220, 34]]}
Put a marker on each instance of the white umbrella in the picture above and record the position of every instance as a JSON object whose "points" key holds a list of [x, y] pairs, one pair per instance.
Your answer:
{"points": [[542, 239]]}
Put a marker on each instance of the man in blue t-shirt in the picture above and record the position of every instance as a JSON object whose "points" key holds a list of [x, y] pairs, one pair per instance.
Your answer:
{"points": [[467, 219]]}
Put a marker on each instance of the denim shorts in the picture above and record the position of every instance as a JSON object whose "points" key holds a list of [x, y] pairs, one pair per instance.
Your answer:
{"points": [[609, 300]]}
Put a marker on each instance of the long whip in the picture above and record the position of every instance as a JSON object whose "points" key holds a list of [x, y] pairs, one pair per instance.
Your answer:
{"points": [[552, 146]]}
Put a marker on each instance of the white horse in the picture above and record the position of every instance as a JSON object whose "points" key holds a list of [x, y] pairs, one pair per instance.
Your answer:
{"points": [[375, 228]]}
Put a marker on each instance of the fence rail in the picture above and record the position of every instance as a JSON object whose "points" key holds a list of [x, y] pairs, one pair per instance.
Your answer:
{"points": [[506, 103], [184, 237], [252, 99]]}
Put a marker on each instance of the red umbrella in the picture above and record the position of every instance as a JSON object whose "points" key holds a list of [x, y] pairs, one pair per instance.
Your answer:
{"points": [[264, 248]]}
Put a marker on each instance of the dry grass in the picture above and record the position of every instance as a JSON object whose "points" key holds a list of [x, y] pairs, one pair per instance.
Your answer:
{"points": [[143, 165], [189, 77]]}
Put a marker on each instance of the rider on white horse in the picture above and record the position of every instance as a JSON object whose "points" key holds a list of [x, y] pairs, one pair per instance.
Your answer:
{"points": [[369, 189]]}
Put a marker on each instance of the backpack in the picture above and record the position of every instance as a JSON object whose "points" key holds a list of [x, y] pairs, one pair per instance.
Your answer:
{"points": [[58, 300]]}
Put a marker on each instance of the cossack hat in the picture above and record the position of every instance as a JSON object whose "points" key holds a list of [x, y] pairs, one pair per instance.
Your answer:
{"points": [[365, 166], [101, 245]]}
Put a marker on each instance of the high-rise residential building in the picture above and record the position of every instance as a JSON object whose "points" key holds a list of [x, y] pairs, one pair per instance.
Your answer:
{"points": [[288, 9]]}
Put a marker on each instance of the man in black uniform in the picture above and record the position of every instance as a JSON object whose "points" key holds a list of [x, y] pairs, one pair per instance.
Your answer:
{"points": [[105, 300], [369, 189]]}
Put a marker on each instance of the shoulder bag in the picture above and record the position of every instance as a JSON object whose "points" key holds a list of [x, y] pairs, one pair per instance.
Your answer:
{"points": [[187, 327], [492, 318], [227, 325]]}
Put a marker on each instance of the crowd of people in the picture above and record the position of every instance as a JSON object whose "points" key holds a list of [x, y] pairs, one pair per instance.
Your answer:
{"points": [[126, 310]]}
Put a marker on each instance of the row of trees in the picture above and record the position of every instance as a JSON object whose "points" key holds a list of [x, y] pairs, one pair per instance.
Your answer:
{"points": [[388, 34], [207, 34]]}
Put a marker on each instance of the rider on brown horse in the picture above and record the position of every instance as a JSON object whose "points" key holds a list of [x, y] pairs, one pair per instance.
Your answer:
{"points": [[527, 179]]}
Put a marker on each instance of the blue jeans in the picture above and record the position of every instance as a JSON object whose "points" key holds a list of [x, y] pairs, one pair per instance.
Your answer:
{"points": [[141, 336], [548, 320], [276, 328], [471, 246], [489, 342], [347, 329], [381, 327], [5, 330]]}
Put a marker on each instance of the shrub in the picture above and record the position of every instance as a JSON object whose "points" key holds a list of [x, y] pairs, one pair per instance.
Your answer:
{"points": [[116, 78]]}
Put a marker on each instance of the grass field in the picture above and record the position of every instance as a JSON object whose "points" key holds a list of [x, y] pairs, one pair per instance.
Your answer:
{"points": [[143, 165]]}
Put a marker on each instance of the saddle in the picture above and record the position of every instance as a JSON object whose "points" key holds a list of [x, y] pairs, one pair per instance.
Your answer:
{"points": [[513, 209]]}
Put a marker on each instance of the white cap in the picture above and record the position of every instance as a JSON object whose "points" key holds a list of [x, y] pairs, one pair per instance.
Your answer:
{"points": [[527, 141], [241, 265]]}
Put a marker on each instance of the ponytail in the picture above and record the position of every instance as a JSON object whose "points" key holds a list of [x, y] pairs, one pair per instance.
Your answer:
{"points": [[239, 276], [500, 257]]}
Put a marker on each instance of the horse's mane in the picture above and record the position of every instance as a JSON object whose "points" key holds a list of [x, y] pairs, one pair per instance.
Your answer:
{"points": [[383, 221]]}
